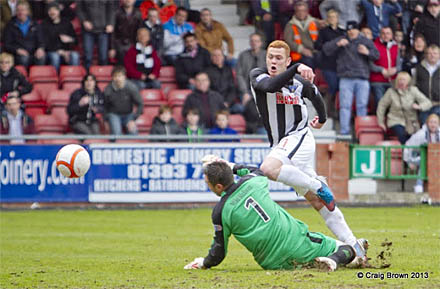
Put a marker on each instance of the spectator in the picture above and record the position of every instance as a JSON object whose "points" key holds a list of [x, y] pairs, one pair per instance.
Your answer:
{"points": [[98, 19], [211, 34], [164, 123], [286, 9], [348, 10], [84, 105], [8, 10], [300, 33], [427, 79], [399, 37], [59, 38], [415, 54], [39, 9], [328, 64], [207, 101], [120, 97], [410, 10], [353, 54], [23, 38], [222, 127], [402, 103], [378, 14], [249, 59], [265, 15], [191, 126], [384, 69], [13, 83], [14, 121], [429, 133], [193, 60], [142, 63], [174, 30], [128, 20], [365, 31], [222, 81], [243, 9], [429, 23], [153, 24], [166, 8]]}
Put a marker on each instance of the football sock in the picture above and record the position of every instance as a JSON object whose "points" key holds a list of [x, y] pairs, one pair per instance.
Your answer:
{"points": [[294, 177], [336, 223], [343, 255]]}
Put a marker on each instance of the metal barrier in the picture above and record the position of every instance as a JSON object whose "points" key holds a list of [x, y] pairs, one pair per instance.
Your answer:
{"points": [[386, 162]]}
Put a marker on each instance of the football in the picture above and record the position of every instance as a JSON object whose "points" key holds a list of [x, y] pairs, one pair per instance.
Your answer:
{"points": [[73, 161]]}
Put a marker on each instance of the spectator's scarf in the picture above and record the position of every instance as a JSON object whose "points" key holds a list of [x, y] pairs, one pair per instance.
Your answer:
{"points": [[144, 58]]}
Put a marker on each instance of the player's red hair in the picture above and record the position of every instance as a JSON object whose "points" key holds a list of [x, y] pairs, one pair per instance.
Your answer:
{"points": [[280, 44]]}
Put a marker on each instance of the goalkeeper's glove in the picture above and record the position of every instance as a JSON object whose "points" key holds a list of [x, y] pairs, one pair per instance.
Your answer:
{"points": [[196, 264], [206, 160]]}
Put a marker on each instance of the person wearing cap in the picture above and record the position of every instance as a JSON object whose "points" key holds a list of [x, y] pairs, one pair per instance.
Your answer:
{"points": [[353, 54], [429, 23], [59, 38], [378, 14]]}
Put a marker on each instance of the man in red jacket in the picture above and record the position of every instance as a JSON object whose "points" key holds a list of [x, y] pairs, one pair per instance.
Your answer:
{"points": [[142, 63], [386, 67]]}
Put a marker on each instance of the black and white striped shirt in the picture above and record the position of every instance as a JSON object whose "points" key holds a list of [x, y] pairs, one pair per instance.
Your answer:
{"points": [[280, 101]]}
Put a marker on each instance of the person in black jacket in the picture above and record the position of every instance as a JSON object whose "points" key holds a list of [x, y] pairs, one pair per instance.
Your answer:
{"points": [[164, 123], [153, 24], [328, 64], [59, 38], [222, 81], [23, 38], [193, 60], [13, 83], [429, 23], [83, 106], [206, 101]]}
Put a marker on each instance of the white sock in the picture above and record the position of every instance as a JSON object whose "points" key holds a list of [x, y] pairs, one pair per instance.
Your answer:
{"points": [[336, 223], [294, 177]]}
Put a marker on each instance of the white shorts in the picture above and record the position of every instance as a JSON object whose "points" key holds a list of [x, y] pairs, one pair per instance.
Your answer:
{"points": [[297, 149]]}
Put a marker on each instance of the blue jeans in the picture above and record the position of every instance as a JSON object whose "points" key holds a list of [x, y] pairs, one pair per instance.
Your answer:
{"points": [[117, 121], [146, 84], [56, 59], [423, 115], [379, 89], [89, 39], [348, 88], [29, 60], [400, 132], [332, 80]]}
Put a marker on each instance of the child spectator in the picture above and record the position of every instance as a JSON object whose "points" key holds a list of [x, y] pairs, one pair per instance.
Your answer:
{"points": [[14, 121], [142, 62], [191, 126], [222, 127], [429, 133], [84, 104], [164, 123], [365, 31]]}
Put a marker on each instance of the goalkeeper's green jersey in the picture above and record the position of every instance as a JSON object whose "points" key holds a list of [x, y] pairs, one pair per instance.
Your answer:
{"points": [[275, 238]]}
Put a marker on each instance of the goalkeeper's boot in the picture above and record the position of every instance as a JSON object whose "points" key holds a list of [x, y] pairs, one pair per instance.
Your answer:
{"points": [[325, 194], [325, 264], [361, 259]]}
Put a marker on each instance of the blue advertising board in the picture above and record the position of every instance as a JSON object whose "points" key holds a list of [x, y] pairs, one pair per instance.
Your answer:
{"points": [[152, 172], [28, 173]]}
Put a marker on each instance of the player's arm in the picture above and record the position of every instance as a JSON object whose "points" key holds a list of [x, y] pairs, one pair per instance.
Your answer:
{"points": [[261, 81], [311, 92], [242, 170]]}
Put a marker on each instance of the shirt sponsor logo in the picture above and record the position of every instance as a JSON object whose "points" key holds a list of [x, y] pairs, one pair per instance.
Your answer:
{"points": [[287, 99]]}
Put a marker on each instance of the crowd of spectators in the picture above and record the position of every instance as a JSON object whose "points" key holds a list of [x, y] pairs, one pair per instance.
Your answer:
{"points": [[360, 46]]}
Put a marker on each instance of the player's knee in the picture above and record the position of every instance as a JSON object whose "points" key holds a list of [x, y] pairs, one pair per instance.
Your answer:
{"points": [[270, 171]]}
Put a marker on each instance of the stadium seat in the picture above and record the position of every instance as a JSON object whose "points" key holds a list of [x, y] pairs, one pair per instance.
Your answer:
{"points": [[177, 114], [72, 73], [43, 74], [58, 98], [177, 97], [71, 86], [367, 130], [144, 123], [22, 69], [48, 123], [102, 85], [44, 89], [34, 104], [166, 87], [320, 80], [237, 122], [152, 97], [167, 74], [397, 164], [151, 110], [102, 72]]}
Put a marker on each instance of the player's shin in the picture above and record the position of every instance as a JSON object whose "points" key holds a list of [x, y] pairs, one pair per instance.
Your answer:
{"points": [[335, 221], [294, 177], [344, 254]]}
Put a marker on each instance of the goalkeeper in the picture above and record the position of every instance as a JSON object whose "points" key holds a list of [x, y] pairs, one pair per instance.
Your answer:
{"points": [[275, 238]]}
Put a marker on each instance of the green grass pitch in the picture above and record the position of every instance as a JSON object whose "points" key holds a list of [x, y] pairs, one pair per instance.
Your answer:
{"points": [[148, 249]]}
